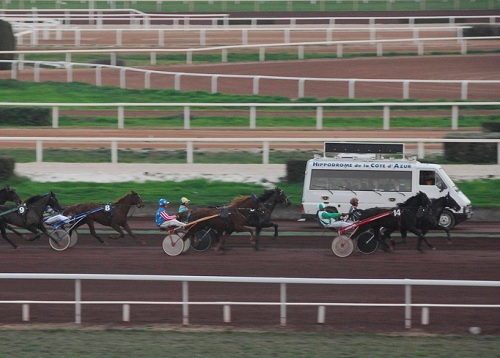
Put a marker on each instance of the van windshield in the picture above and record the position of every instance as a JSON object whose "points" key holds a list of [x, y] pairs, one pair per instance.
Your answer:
{"points": [[363, 180]]}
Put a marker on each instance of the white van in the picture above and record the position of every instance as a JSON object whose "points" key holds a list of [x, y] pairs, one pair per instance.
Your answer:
{"points": [[361, 170]]}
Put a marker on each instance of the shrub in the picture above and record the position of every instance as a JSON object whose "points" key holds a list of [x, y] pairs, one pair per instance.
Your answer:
{"points": [[475, 152], [482, 30], [295, 171], [7, 43], [491, 126], [25, 116], [7, 166]]}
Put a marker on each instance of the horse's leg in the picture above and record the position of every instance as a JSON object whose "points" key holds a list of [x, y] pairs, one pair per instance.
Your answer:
{"points": [[221, 246], [4, 235], [421, 237], [256, 242], [11, 228], [448, 236], [126, 226], [90, 224]]}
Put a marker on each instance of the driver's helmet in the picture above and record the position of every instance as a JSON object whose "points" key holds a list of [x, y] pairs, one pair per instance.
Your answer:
{"points": [[354, 201], [162, 202], [321, 206], [184, 200]]}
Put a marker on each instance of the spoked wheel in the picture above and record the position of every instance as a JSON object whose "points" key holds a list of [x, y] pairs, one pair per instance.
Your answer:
{"points": [[367, 243], [203, 240], [342, 246], [187, 244], [173, 244], [73, 238], [60, 240]]}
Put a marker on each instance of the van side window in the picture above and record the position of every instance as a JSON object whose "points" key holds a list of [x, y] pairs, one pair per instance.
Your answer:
{"points": [[427, 177], [440, 183], [362, 180]]}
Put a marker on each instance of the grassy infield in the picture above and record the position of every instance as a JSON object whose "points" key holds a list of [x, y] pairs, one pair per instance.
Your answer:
{"points": [[181, 343]]}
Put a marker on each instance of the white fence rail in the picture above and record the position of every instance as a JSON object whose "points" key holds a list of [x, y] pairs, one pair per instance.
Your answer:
{"points": [[240, 142], [240, 35], [384, 107], [406, 301]]}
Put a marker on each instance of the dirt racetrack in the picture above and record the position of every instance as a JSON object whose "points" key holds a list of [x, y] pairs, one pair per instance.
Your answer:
{"points": [[301, 250]]}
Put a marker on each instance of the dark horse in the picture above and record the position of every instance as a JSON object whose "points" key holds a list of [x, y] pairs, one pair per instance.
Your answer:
{"points": [[438, 205], [258, 210], [403, 218], [29, 215], [112, 214], [9, 194]]}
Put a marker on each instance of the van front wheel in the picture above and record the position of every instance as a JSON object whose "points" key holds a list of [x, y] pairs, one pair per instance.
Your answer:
{"points": [[447, 219]]}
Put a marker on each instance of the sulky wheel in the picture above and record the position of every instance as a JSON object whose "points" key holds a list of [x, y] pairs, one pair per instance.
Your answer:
{"points": [[203, 240], [187, 244], [367, 243], [60, 240], [73, 238], [173, 244], [342, 246]]}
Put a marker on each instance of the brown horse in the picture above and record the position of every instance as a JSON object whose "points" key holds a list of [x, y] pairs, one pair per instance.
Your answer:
{"points": [[227, 221], [113, 215]]}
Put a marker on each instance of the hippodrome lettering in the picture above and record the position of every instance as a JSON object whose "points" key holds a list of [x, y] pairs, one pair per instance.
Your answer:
{"points": [[363, 165]]}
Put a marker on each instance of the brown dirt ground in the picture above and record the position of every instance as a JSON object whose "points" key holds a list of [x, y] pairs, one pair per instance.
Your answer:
{"points": [[302, 250]]}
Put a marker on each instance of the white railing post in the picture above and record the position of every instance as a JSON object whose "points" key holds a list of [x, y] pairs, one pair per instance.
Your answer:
{"points": [[121, 117], [98, 76], [189, 152], [282, 304], [465, 85], [78, 301], [255, 89], [265, 152], [177, 82], [187, 117], [301, 87], [26, 312], [454, 117], [262, 54], [253, 117], [147, 80], [408, 305], [227, 314], [387, 118], [123, 78], [352, 89], [39, 151], [185, 303], [321, 315], [55, 117], [406, 89], [214, 83], [319, 117], [420, 150], [114, 152], [126, 313]]}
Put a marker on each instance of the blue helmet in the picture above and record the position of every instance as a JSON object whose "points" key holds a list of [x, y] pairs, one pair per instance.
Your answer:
{"points": [[162, 202]]}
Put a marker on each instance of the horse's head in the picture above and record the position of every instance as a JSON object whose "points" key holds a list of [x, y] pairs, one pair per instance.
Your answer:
{"points": [[136, 200], [10, 194], [54, 203], [283, 198]]}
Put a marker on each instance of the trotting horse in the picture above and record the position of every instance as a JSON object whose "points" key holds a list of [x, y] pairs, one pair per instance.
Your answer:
{"points": [[403, 218], [258, 216], [28, 216], [9, 194], [226, 221], [113, 215]]}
